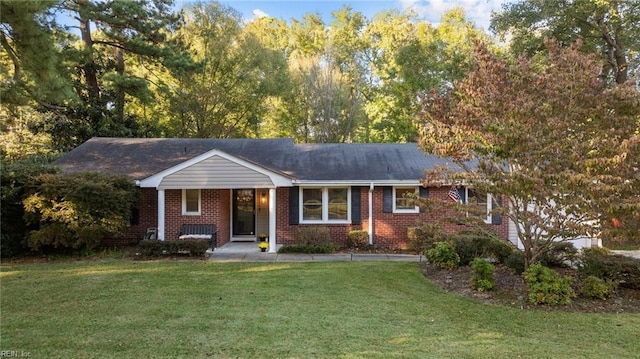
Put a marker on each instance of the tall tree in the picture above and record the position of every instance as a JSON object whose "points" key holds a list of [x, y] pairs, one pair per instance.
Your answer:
{"points": [[30, 62], [226, 94], [550, 139], [111, 34], [389, 93], [610, 27]]}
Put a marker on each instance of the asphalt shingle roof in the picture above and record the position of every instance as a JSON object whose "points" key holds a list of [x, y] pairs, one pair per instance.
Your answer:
{"points": [[140, 158]]}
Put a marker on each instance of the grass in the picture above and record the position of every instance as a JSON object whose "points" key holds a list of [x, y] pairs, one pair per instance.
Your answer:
{"points": [[116, 308]]}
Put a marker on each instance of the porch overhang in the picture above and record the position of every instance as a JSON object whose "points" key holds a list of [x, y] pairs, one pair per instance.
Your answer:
{"points": [[216, 170]]}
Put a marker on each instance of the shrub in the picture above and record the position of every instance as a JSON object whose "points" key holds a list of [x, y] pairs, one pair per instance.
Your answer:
{"points": [[157, 248], [472, 244], [15, 175], [469, 247], [313, 235], [594, 287], [559, 254], [482, 278], [424, 237], [78, 210], [357, 239], [601, 263], [308, 248], [443, 255], [515, 262], [501, 250], [544, 286]]}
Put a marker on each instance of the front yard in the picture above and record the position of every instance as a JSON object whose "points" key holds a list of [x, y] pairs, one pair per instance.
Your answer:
{"points": [[118, 308]]}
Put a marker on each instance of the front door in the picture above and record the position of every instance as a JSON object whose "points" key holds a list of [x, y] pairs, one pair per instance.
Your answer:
{"points": [[244, 213]]}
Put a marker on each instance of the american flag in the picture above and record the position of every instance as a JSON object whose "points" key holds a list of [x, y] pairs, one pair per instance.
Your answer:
{"points": [[454, 194]]}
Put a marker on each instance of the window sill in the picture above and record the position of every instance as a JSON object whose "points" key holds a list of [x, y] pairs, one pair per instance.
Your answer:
{"points": [[326, 222], [191, 213]]}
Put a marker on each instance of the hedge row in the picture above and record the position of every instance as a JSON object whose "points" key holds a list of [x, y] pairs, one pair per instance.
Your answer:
{"points": [[156, 248]]}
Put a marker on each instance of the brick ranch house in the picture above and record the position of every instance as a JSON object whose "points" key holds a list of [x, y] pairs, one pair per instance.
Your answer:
{"points": [[249, 186]]}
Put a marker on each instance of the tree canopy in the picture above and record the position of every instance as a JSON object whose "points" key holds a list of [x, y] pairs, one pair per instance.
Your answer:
{"points": [[549, 137], [610, 28]]}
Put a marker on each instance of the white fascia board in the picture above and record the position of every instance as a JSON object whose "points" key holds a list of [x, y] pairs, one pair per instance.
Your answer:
{"points": [[155, 180], [336, 183]]}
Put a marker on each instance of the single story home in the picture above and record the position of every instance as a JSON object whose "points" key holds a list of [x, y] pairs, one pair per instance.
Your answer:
{"points": [[246, 187]]}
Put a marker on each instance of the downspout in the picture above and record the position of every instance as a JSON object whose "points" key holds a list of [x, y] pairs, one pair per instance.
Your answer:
{"points": [[371, 213]]}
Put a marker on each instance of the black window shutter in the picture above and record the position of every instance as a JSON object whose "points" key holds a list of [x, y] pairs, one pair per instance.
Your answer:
{"points": [[356, 207], [387, 199], [424, 193], [496, 218], [294, 205]]}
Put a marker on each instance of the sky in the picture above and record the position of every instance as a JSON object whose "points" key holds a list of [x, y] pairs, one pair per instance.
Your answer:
{"points": [[478, 11]]}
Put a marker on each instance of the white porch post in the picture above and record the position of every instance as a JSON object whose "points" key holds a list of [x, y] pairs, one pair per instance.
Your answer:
{"points": [[272, 220], [161, 214], [371, 214]]}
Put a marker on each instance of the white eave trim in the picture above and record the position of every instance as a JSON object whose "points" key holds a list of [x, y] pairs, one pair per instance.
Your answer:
{"points": [[155, 180], [358, 183]]}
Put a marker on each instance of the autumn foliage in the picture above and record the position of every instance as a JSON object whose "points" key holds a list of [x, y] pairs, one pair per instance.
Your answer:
{"points": [[548, 135]]}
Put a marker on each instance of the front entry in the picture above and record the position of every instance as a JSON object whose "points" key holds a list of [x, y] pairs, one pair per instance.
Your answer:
{"points": [[244, 214]]}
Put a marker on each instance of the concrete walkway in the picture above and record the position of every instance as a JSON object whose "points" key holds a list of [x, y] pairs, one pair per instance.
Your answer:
{"points": [[249, 252], [634, 254]]}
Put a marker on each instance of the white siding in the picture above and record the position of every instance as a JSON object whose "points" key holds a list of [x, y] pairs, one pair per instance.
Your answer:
{"points": [[215, 172]]}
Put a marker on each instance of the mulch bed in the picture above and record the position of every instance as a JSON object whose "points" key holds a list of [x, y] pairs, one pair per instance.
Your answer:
{"points": [[510, 291]]}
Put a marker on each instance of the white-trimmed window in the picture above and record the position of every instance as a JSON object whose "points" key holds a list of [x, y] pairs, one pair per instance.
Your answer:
{"points": [[325, 204], [404, 200], [481, 200], [191, 202]]}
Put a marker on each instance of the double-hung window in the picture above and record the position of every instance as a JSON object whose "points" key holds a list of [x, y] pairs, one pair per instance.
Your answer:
{"points": [[191, 202], [481, 201], [404, 200], [325, 204]]}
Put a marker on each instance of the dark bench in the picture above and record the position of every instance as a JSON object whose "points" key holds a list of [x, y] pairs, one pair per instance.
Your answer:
{"points": [[204, 231]]}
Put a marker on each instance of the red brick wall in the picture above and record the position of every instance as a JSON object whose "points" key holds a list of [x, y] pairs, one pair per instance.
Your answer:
{"points": [[390, 229], [286, 232], [215, 210], [147, 218]]}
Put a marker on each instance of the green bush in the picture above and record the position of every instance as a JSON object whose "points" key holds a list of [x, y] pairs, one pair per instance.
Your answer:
{"points": [[601, 263], [469, 247], [480, 243], [357, 239], [313, 235], [544, 286], [501, 250], [308, 248], [424, 237], [15, 175], [443, 255], [482, 278], [594, 287], [78, 210], [515, 262], [559, 254], [157, 248]]}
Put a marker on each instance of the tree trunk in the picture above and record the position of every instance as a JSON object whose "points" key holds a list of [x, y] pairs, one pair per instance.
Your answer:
{"points": [[89, 67], [119, 105]]}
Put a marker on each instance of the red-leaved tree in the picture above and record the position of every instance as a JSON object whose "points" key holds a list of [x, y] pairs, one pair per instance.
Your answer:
{"points": [[548, 136]]}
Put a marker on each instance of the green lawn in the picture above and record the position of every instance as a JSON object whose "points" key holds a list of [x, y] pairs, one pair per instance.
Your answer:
{"points": [[124, 309]]}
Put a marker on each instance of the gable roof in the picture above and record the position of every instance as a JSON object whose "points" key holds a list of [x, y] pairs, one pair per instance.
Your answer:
{"points": [[141, 158]]}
